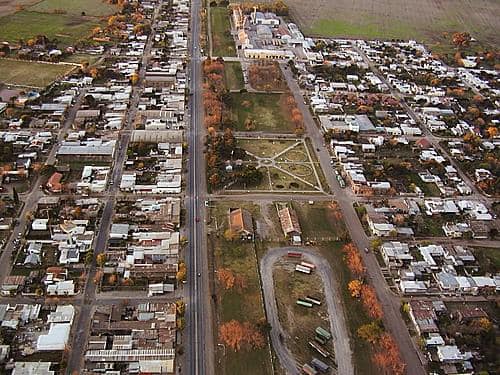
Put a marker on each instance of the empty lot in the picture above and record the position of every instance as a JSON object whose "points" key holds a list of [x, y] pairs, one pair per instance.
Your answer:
{"points": [[31, 74], [421, 19]]}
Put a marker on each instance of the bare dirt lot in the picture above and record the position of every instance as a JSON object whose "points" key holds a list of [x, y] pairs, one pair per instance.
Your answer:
{"points": [[421, 19]]}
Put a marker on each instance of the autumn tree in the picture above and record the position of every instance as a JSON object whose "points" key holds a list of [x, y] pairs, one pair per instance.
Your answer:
{"points": [[98, 276], [134, 78], [112, 279], [180, 323], [387, 357], [89, 256], [235, 335], [229, 279], [353, 260], [355, 287], [226, 278], [128, 282], [492, 131], [101, 259], [180, 307], [370, 302], [370, 332], [181, 272], [376, 243], [461, 39], [481, 325], [214, 180]]}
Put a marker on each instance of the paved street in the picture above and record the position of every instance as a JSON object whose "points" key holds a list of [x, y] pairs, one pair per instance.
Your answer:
{"points": [[391, 304], [199, 346]]}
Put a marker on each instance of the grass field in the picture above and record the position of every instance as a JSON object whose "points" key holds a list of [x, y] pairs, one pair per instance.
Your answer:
{"points": [[243, 304], [27, 73], [79, 58], [266, 110], [66, 28], [233, 75], [320, 220], [488, 259], [222, 41], [76, 7], [417, 19], [265, 148]]}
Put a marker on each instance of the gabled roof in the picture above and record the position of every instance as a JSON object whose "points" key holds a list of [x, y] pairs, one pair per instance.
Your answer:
{"points": [[289, 221], [240, 220]]}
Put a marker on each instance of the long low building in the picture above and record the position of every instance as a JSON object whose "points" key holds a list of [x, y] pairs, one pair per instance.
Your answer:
{"points": [[134, 355], [270, 54], [95, 149]]}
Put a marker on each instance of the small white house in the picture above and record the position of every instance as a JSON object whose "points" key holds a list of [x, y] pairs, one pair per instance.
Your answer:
{"points": [[39, 224]]}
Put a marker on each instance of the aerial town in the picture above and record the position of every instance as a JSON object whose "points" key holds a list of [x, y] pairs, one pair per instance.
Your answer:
{"points": [[196, 187]]}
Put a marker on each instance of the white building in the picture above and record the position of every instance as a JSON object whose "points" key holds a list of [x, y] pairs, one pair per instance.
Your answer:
{"points": [[55, 339]]}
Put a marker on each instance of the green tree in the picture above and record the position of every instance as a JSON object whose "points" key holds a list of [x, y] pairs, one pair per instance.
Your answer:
{"points": [[375, 243], [370, 332], [89, 257]]}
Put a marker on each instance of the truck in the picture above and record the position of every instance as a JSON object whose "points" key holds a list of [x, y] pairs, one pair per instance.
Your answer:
{"points": [[309, 265], [292, 254], [319, 349], [319, 365], [302, 269], [313, 300], [319, 339], [309, 370], [323, 333], [304, 303]]}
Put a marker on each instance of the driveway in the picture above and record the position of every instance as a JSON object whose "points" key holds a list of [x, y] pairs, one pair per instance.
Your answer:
{"points": [[338, 326]]}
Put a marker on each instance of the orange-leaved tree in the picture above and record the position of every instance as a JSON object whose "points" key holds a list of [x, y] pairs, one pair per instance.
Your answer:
{"points": [[371, 303], [235, 335], [353, 260]]}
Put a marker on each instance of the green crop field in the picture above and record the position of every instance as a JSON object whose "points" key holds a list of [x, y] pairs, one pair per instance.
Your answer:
{"points": [[424, 20], [33, 74], [65, 28], [75, 7]]}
